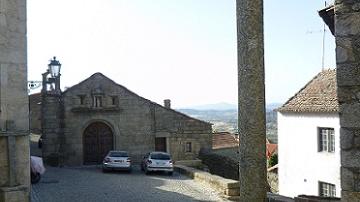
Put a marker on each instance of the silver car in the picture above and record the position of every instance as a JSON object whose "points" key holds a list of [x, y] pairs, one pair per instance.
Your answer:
{"points": [[117, 160], [157, 161]]}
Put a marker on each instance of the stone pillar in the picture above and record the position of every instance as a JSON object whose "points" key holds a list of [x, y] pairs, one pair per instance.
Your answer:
{"points": [[52, 119], [14, 119], [347, 33], [253, 186]]}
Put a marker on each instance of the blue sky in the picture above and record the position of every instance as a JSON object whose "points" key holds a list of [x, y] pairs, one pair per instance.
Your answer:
{"points": [[182, 50]]}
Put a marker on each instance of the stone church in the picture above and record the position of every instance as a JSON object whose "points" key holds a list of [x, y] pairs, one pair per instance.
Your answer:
{"points": [[81, 124]]}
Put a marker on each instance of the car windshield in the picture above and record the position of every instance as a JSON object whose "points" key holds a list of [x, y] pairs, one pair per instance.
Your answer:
{"points": [[160, 156], [119, 154]]}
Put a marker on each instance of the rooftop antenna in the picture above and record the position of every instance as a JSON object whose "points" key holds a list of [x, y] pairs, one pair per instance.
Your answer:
{"points": [[323, 45]]}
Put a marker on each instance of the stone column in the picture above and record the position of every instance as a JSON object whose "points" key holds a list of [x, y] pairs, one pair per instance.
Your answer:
{"points": [[14, 119], [251, 88], [52, 118], [347, 33]]}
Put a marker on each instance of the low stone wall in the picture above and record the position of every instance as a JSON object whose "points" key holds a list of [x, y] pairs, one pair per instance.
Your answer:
{"points": [[221, 165], [189, 163], [228, 187], [271, 197], [305, 198]]}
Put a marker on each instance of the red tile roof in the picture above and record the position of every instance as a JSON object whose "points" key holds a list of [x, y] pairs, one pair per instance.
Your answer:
{"points": [[224, 140], [319, 95], [270, 149]]}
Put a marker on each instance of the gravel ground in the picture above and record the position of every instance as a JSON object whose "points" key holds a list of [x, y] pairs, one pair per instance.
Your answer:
{"points": [[90, 184]]}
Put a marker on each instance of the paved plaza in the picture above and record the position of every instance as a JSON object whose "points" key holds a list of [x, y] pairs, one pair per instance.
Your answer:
{"points": [[90, 184]]}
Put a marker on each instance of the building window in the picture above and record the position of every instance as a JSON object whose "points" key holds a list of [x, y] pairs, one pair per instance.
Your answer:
{"points": [[114, 100], [188, 147], [97, 102], [82, 99], [326, 189], [326, 139]]}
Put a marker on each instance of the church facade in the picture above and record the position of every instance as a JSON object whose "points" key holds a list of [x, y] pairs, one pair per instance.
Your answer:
{"points": [[81, 124]]}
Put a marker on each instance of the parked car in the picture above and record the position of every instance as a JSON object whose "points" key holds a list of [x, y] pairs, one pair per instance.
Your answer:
{"points": [[36, 169], [157, 161], [117, 160]]}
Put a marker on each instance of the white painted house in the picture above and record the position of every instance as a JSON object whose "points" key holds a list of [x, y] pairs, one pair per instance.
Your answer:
{"points": [[309, 140]]}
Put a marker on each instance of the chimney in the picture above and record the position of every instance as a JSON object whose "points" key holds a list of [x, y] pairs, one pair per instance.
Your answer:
{"points": [[167, 103]]}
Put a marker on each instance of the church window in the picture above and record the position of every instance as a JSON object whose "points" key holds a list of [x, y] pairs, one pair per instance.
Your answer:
{"points": [[97, 102], [114, 100], [188, 147], [82, 99]]}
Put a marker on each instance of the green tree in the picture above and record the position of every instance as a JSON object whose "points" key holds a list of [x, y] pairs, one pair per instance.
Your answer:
{"points": [[273, 160]]}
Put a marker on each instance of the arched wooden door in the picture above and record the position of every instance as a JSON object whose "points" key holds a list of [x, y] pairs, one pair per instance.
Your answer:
{"points": [[98, 141]]}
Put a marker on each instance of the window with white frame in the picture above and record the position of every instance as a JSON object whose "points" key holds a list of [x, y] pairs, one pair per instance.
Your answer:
{"points": [[326, 139], [327, 189]]}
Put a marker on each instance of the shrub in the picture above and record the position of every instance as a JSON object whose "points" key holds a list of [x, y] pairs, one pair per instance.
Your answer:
{"points": [[273, 160]]}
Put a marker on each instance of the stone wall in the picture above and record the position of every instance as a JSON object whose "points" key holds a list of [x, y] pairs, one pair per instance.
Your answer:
{"points": [[35, 113], [174, 122], [347, 33], [181, 129], [305, 198], [14, 122], [178, 143], [221, 165]]}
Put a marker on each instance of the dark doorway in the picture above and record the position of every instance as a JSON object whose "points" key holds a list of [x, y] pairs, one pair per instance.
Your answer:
{"points": [[160, 144], [98, 141]]}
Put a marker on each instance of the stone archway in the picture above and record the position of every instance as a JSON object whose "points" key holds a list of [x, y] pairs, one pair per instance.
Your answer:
{"points": [[98, 141]]}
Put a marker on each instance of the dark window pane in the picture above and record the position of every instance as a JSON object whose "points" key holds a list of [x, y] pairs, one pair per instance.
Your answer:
{"points": [[160, 156], [188, 147], [119, 154]]}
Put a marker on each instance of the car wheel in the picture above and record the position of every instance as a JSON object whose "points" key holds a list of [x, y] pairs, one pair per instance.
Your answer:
{"points": [[146, 171], [104, 170], [170, 173], [35, 177]]}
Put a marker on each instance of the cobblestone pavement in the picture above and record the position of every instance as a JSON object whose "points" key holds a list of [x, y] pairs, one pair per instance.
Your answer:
{"points": [[90, 184]]}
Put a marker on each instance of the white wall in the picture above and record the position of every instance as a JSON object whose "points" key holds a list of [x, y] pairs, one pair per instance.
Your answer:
{"points": [[301, 166]]}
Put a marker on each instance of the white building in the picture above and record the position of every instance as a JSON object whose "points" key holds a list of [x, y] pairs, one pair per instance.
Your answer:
{"points": [[309, 140]]}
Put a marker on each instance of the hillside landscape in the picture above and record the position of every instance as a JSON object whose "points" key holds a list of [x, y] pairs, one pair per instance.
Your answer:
{"points": [[224, 117]]}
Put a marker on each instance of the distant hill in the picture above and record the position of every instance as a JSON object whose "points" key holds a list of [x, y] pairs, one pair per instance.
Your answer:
{"points": [[224, 116], [217, 106], [222, 106], [272, 106]]}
